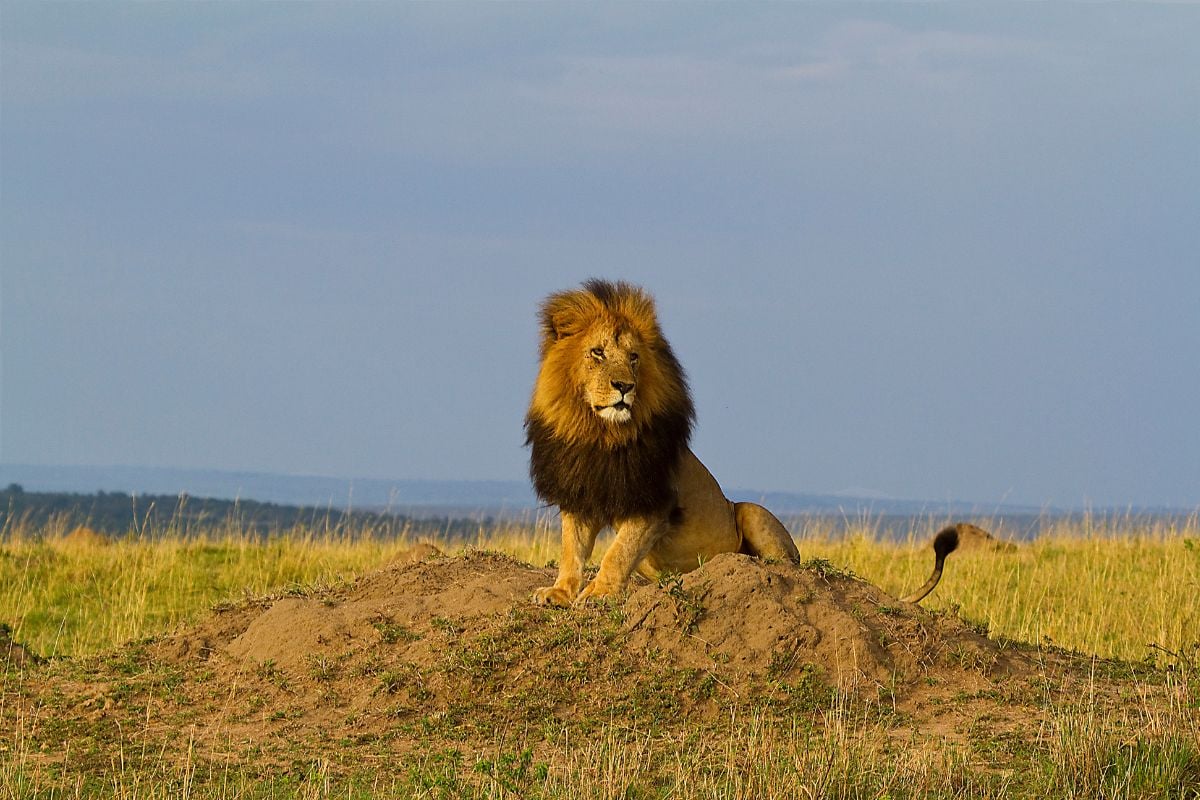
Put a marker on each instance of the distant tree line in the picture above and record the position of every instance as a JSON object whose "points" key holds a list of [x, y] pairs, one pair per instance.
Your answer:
{"points": [[120, 514]]}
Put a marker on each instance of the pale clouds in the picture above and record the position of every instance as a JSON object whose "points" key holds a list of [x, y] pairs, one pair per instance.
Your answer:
{"points": [[750, 89], [965, 231]]}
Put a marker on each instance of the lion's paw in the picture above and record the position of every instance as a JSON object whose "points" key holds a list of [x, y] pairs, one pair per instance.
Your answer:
{"points": [[594, 593], [552, 596]]}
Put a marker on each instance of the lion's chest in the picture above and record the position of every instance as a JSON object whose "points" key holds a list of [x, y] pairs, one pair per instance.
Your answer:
{"points": [[605, 483]]}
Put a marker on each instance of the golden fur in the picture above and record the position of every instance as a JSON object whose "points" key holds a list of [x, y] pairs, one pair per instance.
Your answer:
{"points": [[608, 427]]}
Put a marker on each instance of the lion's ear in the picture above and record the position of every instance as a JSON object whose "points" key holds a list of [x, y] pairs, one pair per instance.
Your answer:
{"points": [[566, 314], [566, 323]]}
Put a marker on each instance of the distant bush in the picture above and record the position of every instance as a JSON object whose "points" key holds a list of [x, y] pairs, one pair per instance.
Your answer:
{"points": [[120, 514]]}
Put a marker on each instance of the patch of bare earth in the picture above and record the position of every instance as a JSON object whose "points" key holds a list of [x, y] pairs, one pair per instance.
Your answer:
{"points": [[434, 652]]}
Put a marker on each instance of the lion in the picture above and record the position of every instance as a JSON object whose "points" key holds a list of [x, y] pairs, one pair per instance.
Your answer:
{"points": [[608, 427]]}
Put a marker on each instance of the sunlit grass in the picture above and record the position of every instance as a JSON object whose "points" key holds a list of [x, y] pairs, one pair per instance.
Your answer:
{"points": [[64, 598], [1111, 589], [1108, 588]]}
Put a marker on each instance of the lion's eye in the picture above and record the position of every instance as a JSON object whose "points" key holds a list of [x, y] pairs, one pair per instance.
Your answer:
{"points": [[597, 352], [633, 358]]}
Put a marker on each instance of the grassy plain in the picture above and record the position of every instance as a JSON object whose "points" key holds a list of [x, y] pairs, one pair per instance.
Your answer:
{"points": [[1116, 588], [1121, 590]]}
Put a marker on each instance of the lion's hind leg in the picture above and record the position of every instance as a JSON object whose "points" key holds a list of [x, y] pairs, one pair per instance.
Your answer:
{"points": [[763, 535]]}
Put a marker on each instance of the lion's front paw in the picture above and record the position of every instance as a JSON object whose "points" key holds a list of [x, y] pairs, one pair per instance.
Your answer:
{"points": [[595, 591], [552, 596]]}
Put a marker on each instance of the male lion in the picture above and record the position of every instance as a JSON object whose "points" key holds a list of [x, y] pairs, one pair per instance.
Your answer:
{"points": [[608, 425]]}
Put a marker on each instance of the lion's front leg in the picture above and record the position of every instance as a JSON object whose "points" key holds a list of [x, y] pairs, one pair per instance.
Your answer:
{"points": [[578, 539], [635, 537]]}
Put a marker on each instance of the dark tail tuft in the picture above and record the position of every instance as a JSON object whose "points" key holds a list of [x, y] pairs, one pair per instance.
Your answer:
{"points": [[946, 542]]}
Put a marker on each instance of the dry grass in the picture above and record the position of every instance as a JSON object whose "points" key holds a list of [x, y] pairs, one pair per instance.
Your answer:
{"points": [[1121, 589], [1110, 589]]}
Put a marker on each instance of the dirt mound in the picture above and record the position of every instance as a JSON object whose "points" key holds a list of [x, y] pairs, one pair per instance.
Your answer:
{"points": [[776, 619], [973, 538], [408, 596], [83, 536], [418, 552], [440, 638], [436, 655]]}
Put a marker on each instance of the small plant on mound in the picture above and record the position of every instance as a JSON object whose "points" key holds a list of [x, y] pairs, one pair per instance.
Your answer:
{"points": [[826, 569], [689, 609], [391, 632], [391, 681], [270, 672], [323, 668]]}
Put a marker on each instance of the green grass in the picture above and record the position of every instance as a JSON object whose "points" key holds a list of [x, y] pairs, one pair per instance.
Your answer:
{"points": [[66, 599], [1111, 590], [1118, 591], [841, 755], [1122, 590]]}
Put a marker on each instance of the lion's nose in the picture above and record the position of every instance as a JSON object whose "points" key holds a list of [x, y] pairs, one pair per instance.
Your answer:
{"points": [[623, 388]]}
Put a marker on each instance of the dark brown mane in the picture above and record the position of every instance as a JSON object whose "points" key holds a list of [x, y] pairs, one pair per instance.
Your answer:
{"points": [[608, 483]]}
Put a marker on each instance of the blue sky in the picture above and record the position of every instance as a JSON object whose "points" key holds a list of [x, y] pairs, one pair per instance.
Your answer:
{"points": [[933, 251]]}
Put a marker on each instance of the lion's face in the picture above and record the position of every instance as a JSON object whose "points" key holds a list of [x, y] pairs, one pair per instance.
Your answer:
{"points": [[608, 372]]}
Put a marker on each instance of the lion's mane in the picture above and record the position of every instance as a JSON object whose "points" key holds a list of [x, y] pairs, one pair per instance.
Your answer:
{"points": [[584, 464]]}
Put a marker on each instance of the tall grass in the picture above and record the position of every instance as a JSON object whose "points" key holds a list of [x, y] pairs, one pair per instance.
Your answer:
{"points": [[1109, 589], [1121, 589], [843, 753], [63, 597]]}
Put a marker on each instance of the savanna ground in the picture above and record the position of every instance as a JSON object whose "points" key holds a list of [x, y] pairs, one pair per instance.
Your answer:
{"points": [[335, 664]]}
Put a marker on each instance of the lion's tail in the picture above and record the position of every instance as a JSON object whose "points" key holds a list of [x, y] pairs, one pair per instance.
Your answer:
{"points": [[945, 543]]}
